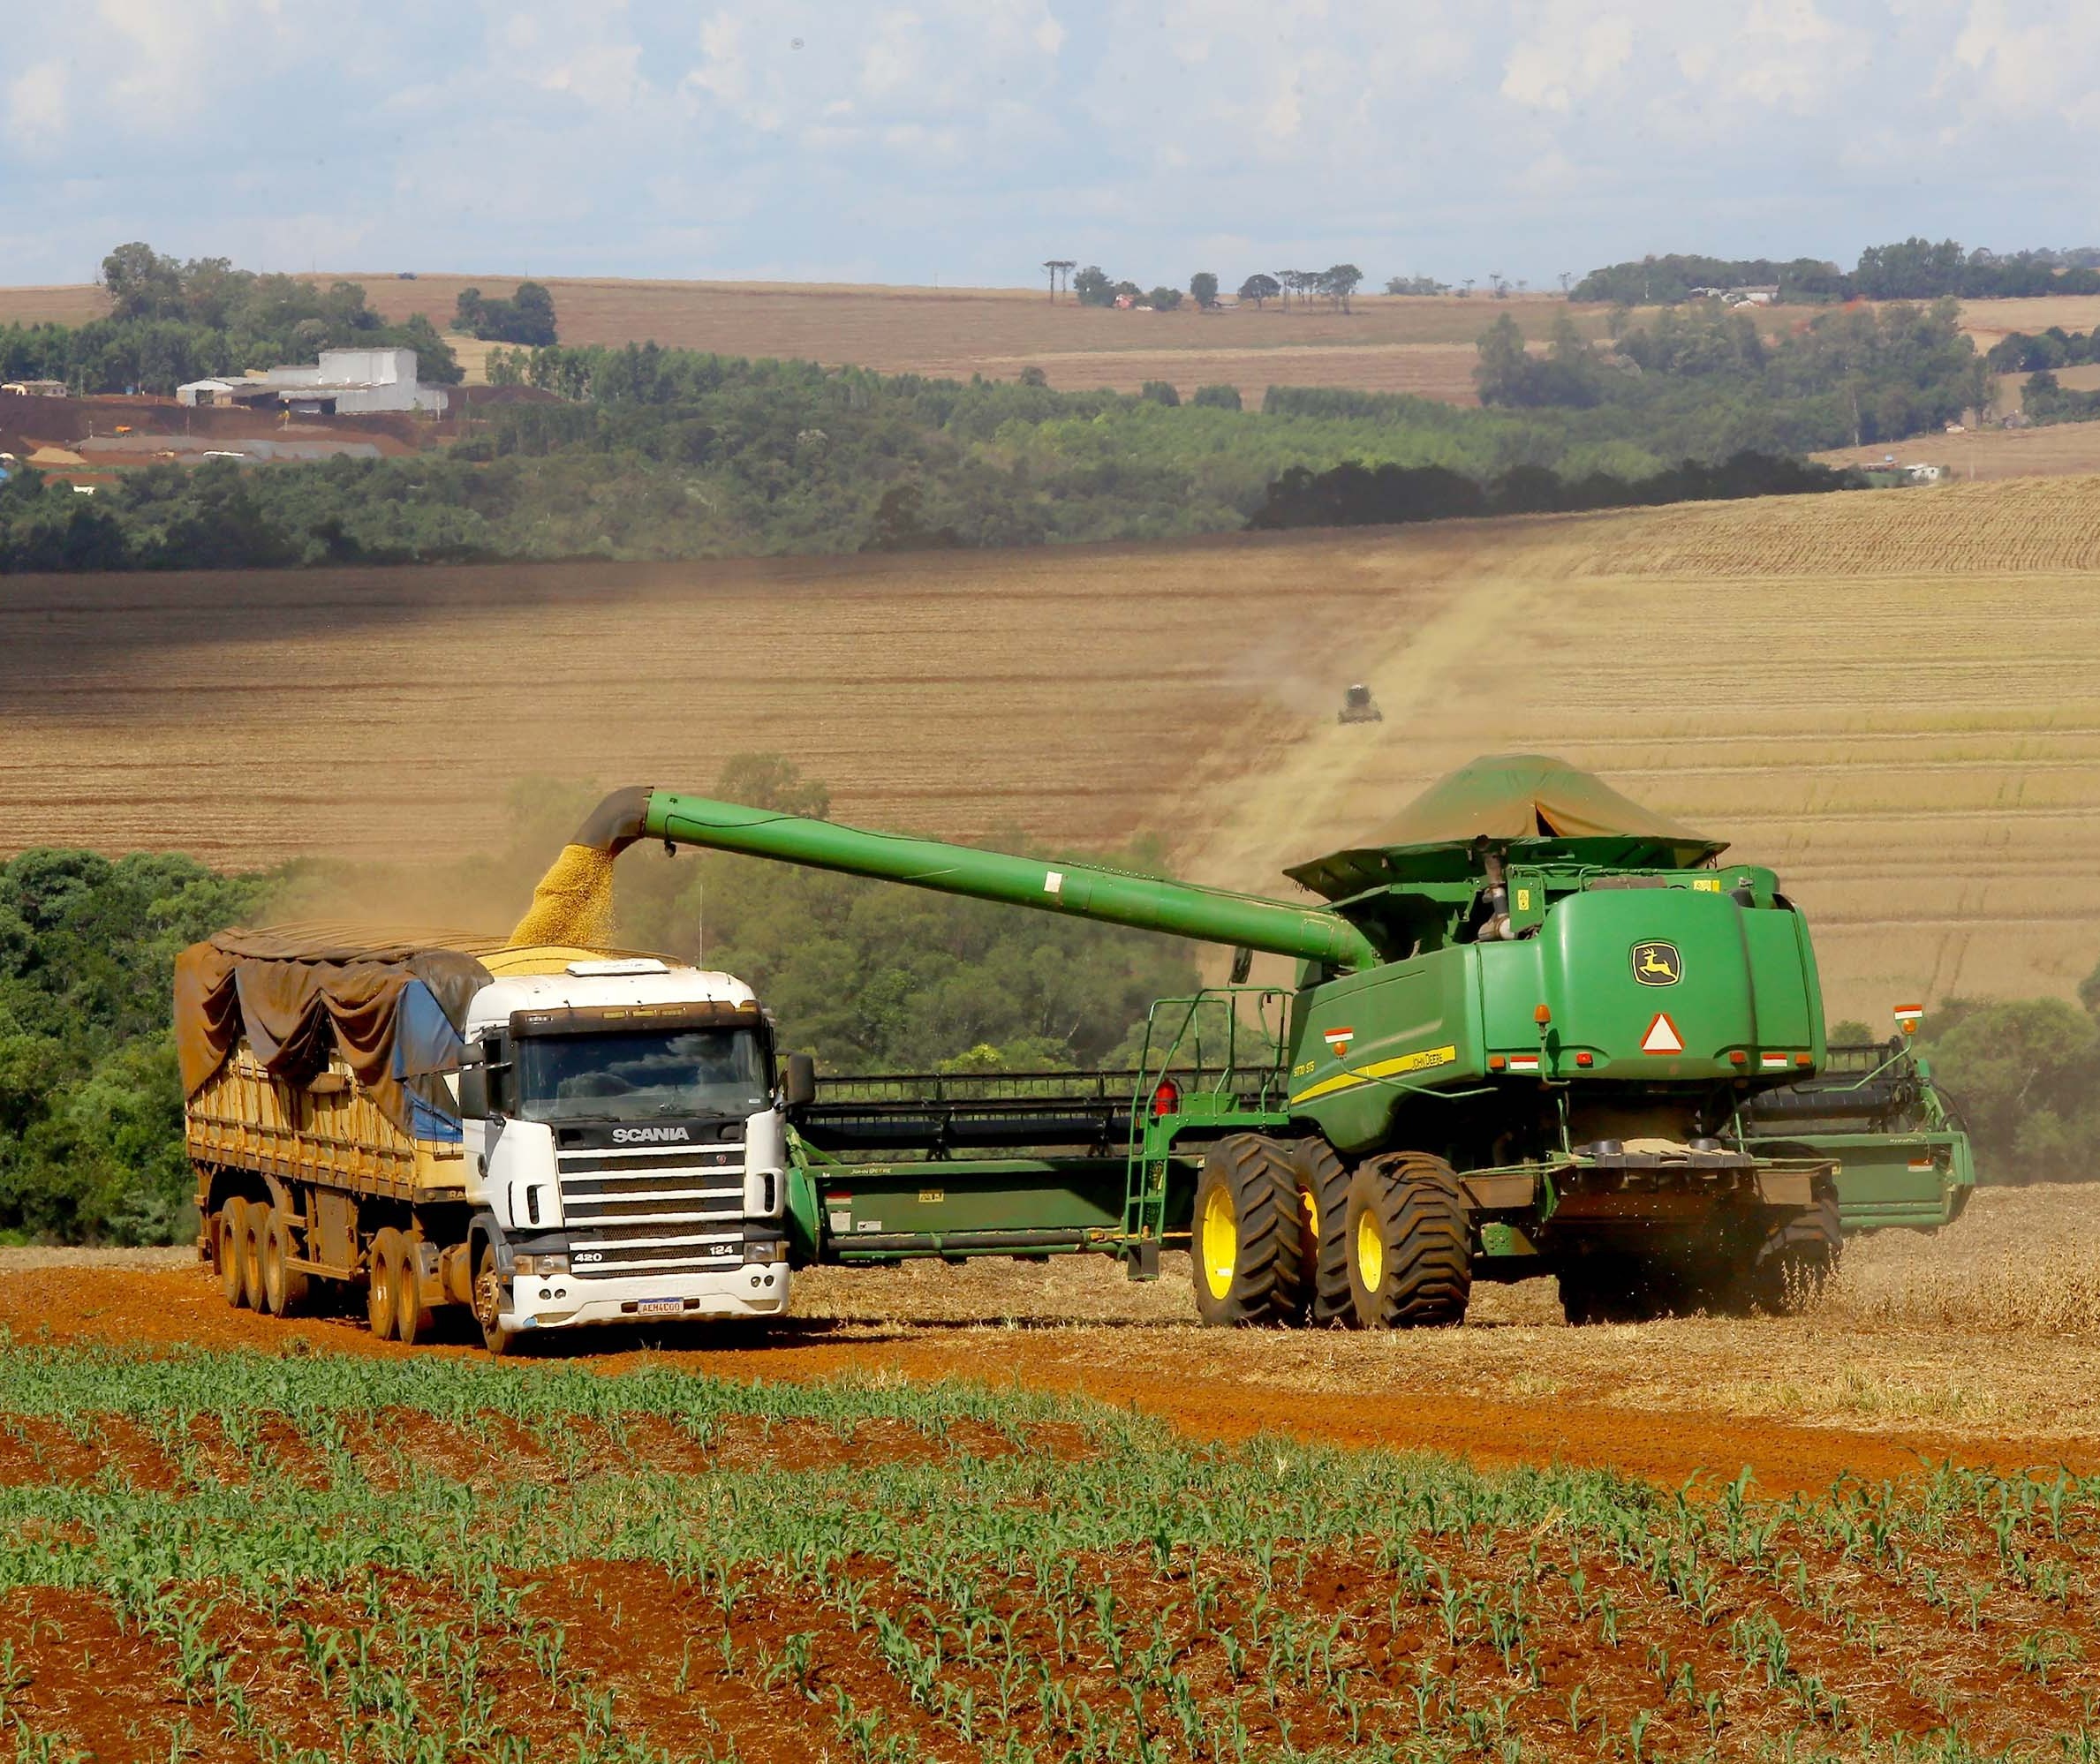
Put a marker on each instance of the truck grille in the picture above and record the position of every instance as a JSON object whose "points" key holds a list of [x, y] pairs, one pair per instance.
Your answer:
{"points": [[652, 1210]]}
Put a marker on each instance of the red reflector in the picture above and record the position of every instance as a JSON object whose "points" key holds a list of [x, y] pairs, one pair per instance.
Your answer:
{"points": [[1497, 1062], [1738, 1058], [1167, 1099], [1804, 1060], [1585, 1059]]}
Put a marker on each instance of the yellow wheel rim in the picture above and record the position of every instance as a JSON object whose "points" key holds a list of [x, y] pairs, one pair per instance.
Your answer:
{"points": [[1220, 1242], [1370, 1251]]}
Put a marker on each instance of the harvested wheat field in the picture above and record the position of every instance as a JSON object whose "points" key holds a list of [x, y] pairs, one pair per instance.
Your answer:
{"points": [[1893, 698]]}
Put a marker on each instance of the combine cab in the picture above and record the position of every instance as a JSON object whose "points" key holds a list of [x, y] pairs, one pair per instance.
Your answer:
{"points": [[1358, 706]]}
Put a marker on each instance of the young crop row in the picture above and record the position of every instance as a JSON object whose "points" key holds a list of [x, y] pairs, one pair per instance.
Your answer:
{"points": [[684, 1571]]}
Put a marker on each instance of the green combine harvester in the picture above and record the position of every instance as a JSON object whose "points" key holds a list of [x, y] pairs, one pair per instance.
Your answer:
{"points": [[1540, 1031]]}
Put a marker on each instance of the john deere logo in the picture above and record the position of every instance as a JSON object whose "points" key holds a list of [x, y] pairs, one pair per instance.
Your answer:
{"points": [[1658, 964]]}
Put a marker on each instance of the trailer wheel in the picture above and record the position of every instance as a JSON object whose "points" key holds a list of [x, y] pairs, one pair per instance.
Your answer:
{"points": [[414, 1321], [488, 1306], [254, 1216], [283, 1286], [225, 1246], [1799, 1258], [1409, 1243], [1244, 1234], [382, 1295], [1323, 1182]]}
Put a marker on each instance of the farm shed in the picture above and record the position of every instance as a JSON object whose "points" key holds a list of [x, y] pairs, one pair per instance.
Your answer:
{"points": [[343, 381]]}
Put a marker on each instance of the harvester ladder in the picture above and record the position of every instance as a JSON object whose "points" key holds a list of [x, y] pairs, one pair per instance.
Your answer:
{"points": [[1222, 1066]]}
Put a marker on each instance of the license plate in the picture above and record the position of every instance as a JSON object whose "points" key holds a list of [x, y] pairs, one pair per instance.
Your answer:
{"points": [[659, 1308]]}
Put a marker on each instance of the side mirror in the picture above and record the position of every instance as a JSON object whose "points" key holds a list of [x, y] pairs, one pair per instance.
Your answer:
{"points": [[800, 1089], [474, 1092]]}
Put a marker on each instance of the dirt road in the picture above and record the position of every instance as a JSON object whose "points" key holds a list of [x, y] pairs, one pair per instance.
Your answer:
{"points": [[1802, 1403]]}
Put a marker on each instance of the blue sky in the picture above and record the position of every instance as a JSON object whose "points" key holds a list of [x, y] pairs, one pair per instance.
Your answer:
{"points": [[965, 140]]}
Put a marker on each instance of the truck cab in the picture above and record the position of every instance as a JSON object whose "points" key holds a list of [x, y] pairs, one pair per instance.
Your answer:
{"points": [[625, 1147]]}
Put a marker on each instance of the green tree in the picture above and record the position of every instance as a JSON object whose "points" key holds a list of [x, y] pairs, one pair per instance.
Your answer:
{"points": [[1093, 287], [1338, 283], [1203, 288], [142, 284], [1164, 299], [1258, 288]]}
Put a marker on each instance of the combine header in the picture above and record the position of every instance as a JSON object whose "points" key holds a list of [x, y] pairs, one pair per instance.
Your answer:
{"points": [[1541, 1030]]}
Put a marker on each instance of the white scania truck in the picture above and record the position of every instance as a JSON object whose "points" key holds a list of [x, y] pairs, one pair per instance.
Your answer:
{"points": [[548, 1136]]}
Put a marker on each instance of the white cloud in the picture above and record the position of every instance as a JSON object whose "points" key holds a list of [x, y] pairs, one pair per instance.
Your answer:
{"points": [[37, 107], [1150, 135]]}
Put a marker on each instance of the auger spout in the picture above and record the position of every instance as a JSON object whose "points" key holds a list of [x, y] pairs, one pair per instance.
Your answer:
{"points": [[1207, 915]]}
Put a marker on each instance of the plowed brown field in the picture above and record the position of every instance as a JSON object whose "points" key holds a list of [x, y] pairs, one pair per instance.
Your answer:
{"points": [[1893, 698]]}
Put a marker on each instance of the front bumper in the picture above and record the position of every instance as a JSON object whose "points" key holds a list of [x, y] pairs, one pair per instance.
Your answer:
{"points": [[536, 1301]]}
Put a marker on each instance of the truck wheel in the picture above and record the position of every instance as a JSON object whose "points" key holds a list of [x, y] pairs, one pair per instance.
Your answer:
{"points": [[488, 1306], [225, 1244], [283, 1286], [1798, 1259], [1409, 1243], [1244, 1234], [414, 1321], [1323, 1182], [382, 1295], [254, 1216]]}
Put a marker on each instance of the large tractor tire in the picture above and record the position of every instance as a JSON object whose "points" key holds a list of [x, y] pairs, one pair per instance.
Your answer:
{"points": [[283, 1286], [1323, 1183], [227, 1230], [1798, 1259], [382, 1293], [1409, 1243], [1245, 1237]]}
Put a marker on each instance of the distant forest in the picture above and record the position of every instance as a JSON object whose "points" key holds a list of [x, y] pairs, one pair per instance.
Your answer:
{"points": [[1916, 269], [643, 452]]}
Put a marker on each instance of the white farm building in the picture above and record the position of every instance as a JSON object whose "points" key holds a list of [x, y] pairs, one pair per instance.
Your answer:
{"points": [[345, 381]]}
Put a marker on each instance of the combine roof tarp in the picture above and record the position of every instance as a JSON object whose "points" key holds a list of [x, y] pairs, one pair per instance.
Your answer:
{"points": [[1528, 795], [393, 1009], [1511, 797]]}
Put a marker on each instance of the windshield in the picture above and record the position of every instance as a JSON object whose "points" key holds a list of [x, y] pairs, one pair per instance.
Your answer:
{"points": [[643, 1072]]}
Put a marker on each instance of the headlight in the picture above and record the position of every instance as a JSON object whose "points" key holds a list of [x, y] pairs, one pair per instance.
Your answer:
{"points": [[766, 1251], [541, 1264]]}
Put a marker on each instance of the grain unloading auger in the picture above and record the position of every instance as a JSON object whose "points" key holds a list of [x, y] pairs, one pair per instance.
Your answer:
{"points": [[1526, 1035]]}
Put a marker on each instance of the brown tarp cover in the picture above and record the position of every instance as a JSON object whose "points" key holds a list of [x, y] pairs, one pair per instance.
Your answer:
{"points": [[299, 993], [1528, 795]]}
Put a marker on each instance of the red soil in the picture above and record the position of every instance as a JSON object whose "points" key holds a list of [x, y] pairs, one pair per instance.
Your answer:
{"points": [[1141, 1368]]}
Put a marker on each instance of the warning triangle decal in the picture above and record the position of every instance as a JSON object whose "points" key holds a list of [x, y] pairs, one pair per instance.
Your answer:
{"points": [[1662, 1036]]}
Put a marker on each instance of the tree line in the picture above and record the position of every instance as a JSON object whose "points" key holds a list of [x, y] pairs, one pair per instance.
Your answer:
{"points": [[643, 452], [1849, 376], [1912, 269], [1335, 284], [1354, 495], [171, 322]]}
